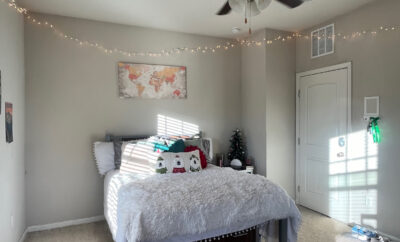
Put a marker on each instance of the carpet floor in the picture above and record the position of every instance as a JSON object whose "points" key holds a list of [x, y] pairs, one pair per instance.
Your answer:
{"points": [[314, 228]]}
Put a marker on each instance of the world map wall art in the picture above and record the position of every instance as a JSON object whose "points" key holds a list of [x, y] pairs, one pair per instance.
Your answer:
{"points": [[151, 81]]}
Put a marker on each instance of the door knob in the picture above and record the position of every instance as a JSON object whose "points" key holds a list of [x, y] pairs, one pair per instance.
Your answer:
{"points": [[342, 142]]}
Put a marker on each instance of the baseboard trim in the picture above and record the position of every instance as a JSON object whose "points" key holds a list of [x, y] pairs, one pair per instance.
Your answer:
{"points": [[22, 239], [391, 237], [67, 223]]}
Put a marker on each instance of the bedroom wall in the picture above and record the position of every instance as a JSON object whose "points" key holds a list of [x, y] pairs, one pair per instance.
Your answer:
{"points": [[268, 107], [12, 160], [376, 72], [72, 101], [281, 112], [253, 96]]}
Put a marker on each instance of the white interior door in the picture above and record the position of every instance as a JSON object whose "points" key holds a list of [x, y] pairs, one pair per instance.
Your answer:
{"points": [[323, 117]]}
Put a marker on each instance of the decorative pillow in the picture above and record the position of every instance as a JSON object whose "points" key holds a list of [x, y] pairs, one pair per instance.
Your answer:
{"points": [[194, 161], [204, 144], [138, 157], [104, 155], [167, 144], [117, 153], [203, 159], [118, 149], [177, 146], [169, 162]]}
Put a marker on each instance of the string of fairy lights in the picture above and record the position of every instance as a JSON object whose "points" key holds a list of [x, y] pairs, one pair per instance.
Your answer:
{"points": [[225, 46]]}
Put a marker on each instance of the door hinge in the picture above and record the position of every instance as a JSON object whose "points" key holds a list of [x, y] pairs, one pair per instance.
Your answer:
{"points": [[298, 188], [298, 93], [298, 141]]}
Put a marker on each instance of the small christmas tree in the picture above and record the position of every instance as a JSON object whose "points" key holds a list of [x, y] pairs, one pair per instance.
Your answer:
{"points": [[237, 149]]}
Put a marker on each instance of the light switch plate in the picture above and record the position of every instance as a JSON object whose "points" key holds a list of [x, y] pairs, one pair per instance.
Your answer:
{"points": [[371, 107]]}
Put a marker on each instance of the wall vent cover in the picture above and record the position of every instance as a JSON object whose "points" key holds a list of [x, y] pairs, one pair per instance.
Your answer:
{"points": [[323, 41]]}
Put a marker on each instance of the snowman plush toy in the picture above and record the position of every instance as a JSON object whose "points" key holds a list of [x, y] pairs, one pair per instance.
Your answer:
{"points": [[178, 165], [161, 168], [194, 163]]}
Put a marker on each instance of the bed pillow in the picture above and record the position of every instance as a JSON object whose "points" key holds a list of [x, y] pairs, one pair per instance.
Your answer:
{"points": [[203, 144], [177, 146], [166, 144], [203, 159], [104, 156], [182, 162], [118, 143], [138, 157]]}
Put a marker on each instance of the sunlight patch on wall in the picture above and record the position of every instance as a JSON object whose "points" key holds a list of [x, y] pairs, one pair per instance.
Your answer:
{"points": [[171, 126], [353, 179]]}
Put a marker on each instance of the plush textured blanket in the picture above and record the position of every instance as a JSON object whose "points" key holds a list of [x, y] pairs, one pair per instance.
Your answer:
{"points": [[172, 205]]}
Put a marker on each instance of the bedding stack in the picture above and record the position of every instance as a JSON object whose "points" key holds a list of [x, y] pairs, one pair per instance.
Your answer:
{"points": [[165, 191], [194, 206], [156, 154]]}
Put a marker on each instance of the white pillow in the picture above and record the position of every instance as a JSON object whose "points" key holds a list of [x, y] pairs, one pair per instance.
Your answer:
{"points": [[104, 155], [169, 162]]}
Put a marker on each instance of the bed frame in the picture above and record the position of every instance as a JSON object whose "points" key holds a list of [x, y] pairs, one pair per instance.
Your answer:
{"points": [[283, 230], [111, 138], [248, 235]]}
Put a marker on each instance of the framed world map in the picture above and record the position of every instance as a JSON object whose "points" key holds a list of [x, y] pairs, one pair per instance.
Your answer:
{"points": [[151, 81]]}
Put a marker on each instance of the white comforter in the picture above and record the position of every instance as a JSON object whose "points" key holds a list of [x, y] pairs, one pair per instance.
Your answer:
{"points": [[195, 206]]}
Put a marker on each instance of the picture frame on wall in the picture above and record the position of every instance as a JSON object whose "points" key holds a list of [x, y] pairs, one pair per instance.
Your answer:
{"points": [[150, 81], [9, 122]]}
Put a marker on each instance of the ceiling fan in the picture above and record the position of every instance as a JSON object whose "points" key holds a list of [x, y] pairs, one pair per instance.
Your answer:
{"points": [[252, 8]]}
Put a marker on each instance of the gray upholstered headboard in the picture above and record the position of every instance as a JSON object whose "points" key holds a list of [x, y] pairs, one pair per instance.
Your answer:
{"points": [[110, 137]]}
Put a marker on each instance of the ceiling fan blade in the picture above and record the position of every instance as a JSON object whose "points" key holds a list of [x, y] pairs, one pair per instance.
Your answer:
{"points": [[292, 3], [225, 9]]}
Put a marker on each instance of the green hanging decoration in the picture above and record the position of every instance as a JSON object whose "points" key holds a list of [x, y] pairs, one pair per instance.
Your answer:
{"points": [[373, 128]]}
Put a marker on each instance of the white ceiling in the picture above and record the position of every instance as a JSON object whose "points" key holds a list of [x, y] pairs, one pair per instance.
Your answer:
{"points": [[194, 16]]}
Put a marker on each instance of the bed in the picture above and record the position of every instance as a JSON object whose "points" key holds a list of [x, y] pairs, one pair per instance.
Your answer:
{"points": [[214, 204]]}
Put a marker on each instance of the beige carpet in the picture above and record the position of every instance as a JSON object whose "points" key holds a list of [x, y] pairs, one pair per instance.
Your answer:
{"points": [[315, 228]]}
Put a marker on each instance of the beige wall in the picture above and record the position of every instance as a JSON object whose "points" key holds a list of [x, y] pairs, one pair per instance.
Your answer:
{"points": [[72, 100], [12, 172], [268, 107], [376, 72], [253, 91], [281, 112]]}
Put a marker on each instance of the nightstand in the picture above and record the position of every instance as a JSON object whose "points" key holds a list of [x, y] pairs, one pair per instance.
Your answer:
{"points": [[249, 170]]}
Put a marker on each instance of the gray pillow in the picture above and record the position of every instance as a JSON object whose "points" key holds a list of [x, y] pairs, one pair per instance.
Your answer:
{"points": [[117, 153], [118, 150]]}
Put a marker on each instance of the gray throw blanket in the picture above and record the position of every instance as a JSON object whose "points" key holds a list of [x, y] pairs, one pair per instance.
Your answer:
{"points": [[167, 206]]}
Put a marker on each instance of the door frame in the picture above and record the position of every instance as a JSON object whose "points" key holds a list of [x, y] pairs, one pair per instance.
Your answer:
{"points": [[348, 66]]}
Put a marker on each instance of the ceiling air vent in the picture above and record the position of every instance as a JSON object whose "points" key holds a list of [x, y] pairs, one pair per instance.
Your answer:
{"points": [[323, 41]]}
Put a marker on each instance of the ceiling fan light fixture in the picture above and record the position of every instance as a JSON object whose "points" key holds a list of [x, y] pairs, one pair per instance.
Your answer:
{"points": [[249, 7], [245, 7], [263, 4]]}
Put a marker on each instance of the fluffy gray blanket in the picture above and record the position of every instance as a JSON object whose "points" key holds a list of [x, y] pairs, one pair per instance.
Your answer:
{"points": [[217, 199]]}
